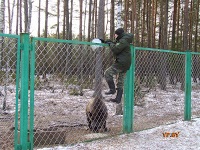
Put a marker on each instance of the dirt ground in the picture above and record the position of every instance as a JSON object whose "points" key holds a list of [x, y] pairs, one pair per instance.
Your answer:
{"points": [[60, 118]]}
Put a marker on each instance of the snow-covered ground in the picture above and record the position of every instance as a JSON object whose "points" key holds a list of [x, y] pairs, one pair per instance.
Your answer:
{"points": [[163, 103], [151, 139], [163, 112]]}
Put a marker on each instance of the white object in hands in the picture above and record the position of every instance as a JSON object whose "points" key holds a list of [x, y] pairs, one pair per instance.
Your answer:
{"points": [[95, 46]]}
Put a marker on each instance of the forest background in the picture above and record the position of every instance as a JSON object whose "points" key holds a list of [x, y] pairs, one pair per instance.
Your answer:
{"points": [[166, 24]]}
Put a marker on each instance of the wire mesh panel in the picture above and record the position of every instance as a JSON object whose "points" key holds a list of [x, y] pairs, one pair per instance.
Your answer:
{"points": [[70, 78], [195, 85], [159, 88], [8, 61]]}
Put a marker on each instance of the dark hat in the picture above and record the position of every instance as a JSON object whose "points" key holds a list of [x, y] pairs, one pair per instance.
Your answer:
{"points": [[119, 31]]}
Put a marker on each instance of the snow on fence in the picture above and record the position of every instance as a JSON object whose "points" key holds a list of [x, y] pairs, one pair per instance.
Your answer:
{"points": [[68, 74]]}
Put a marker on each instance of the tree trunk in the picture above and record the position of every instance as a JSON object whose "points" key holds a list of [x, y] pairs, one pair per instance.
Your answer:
{"points": [[64, 18], [39, 8], [137, 36], [17, 19], [191, 19], [133, 19], [149, 21], [119, 14], [58, 19], [154, 12], [143, 23], [20, 16], [195, 72], [70, 24], [196, 27], [126, 13], [163, 60], [94, 19], [9, 17], [186, 26], [29, 16], [173, 43], [85, 14], [2, 28], [112, 23], [2, 17], [25, 15], [107, 17], [67, 19], [185, 35], [165, 29], [81, 61], [174, 25], [178, 25], [160, 43], [80, 21], [99, 58], [46, 19], [45, 44], [89, 20]]}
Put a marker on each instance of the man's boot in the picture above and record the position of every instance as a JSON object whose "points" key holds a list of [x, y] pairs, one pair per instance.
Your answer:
{"points": [[118, 97], [111, 85]]}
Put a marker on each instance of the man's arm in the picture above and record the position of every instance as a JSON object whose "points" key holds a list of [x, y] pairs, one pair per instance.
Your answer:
{"points": [[118, 47]]}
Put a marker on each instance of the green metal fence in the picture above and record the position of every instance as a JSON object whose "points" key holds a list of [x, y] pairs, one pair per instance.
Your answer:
{"points": [[194, 103], [9, 85], [162, 87], [46, 84], [68, 75]]}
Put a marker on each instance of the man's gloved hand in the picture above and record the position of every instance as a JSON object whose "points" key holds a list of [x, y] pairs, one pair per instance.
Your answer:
{"points": [[108, 42], [102, 40]]}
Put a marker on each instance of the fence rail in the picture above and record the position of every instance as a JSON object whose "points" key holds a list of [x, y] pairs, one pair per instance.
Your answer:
{"points": [[46, 84]]}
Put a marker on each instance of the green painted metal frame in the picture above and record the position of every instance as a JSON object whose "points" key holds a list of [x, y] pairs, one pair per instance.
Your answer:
{"points": [[66, 41], [17, 93], [188, 86], [129, 96], [32, 77], [24, 90], [128, 118]]}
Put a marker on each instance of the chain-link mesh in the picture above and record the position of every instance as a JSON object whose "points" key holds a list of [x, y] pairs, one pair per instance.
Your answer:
{"points": [[195, 85], [69, 78], [8, 54], [159, 76]]}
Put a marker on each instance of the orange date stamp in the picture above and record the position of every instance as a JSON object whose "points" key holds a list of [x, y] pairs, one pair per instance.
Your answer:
{"points": [[171, 134]]}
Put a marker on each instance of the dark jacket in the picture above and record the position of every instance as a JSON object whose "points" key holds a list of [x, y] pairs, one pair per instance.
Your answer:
{"points": [[122, 52]]}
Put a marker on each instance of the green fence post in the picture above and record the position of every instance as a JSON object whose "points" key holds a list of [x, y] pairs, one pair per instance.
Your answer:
{"points": [[129, 96], [17, 94], [187, 108], [24, 90], [32, 76]]}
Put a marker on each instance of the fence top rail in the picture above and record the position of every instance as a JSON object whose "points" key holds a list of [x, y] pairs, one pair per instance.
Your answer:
{"points": [[34, 39], [65, 41], [195, 53], [9, 35], [159, 50]]}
